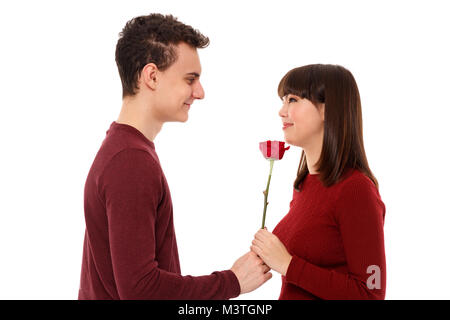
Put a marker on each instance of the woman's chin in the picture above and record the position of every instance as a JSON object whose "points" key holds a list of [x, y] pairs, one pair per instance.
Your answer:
{"points": [[291, 142], [287, 140]]}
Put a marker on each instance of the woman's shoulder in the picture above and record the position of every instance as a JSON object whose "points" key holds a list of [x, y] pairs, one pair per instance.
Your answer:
{"points": [[355, 184], [357, 187], [356, 178]]}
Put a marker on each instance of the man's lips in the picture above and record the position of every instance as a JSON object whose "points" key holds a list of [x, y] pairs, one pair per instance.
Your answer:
{"points": [[287, 125]]}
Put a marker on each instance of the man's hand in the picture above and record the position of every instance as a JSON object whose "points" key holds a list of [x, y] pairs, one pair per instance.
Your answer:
{"points": [[251, 272]]}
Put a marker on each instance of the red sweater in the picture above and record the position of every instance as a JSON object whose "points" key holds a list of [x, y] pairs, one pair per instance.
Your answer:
{"points": [[334, 235], [130, 249]]}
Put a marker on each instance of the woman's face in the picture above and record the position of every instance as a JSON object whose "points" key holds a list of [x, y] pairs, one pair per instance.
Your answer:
{"points": [[303, 123]]}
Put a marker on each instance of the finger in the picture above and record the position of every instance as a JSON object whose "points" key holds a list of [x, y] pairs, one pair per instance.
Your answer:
{"points": [[261, 234], [267, 276], [266, 268], [251, 254], [265, 233], [258, 243], [256, 250], [261, 261]]}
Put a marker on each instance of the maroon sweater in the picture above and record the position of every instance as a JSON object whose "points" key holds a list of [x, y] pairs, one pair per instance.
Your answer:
{"points": [[334, 235], [130, 249]]}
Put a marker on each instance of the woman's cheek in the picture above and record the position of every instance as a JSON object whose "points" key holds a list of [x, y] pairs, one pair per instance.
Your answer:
{"points": [[294, 116]]}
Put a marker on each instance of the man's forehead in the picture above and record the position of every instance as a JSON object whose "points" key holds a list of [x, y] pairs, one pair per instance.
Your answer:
{"points": [[188, 60]]}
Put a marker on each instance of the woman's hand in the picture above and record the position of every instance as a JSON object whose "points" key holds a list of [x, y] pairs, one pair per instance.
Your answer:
{"points": [[271, 250]]}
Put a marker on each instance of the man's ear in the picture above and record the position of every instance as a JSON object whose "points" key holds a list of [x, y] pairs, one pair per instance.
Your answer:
{"points": [[149, 76]]}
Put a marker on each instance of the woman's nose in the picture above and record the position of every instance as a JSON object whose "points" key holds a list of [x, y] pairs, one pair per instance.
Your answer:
{"points": [[283, 111]]}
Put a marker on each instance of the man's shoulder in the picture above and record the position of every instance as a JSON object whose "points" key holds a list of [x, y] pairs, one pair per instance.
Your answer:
{"points": [[131, 160], [133, 157], [130, 169], [123, 159], [121, 147]]}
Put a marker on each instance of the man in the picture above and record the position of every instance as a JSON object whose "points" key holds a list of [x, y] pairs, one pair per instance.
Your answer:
{"points": [[130, 249]]}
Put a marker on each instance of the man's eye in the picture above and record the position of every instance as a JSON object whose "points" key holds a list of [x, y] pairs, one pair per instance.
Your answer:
{"points": [[191, 81]]}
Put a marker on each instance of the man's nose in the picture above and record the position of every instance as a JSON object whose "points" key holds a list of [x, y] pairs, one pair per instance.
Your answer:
{"points": [[198, 93]]}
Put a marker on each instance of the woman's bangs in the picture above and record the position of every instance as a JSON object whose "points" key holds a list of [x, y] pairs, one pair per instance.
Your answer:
{"points": [[294, 82]]}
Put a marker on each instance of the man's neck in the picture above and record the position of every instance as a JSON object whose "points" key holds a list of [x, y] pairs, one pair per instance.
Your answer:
{"points": [[138, 115]]}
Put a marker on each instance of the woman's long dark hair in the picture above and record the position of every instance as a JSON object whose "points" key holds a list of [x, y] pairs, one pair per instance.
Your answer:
{"points": [[343, 146]]}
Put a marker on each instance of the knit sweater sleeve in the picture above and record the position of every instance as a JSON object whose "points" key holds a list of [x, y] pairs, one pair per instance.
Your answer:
{"points": [[132, 186], [359, 214]]}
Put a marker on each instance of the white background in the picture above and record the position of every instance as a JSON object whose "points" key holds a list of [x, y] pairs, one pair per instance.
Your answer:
{"points": [[60, 91]]}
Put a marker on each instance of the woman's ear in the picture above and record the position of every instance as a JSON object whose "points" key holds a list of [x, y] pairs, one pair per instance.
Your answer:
{"points": [[322, 111]]}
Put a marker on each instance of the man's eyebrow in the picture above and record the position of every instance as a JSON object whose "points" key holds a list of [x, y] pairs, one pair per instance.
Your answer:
{"points": [[195, 74]]}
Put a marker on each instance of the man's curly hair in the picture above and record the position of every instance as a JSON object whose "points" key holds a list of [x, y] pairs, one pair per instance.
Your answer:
{"points": [[151, 39]]}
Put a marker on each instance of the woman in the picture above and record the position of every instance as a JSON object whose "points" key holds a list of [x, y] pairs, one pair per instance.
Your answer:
{"points": [[330, 245]]}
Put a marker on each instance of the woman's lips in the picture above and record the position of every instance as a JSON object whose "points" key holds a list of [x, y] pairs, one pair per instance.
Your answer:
{"points": [[287, 125]]}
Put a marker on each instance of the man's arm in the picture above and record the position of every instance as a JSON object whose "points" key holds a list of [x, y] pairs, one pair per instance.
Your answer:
{"points": [[132, 184]]}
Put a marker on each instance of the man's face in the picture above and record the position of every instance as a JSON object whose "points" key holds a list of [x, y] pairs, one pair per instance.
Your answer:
{"points": [[179, 85]]}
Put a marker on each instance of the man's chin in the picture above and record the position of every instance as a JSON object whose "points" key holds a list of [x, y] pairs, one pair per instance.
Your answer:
{"points": [[179, 118], [182, 119], [185, 117]]}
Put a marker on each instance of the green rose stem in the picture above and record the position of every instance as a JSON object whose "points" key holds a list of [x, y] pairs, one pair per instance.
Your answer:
{"points": [[266, 194]]}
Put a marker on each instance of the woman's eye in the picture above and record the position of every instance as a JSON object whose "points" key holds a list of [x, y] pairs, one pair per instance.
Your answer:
{"points": [[292, 100]]}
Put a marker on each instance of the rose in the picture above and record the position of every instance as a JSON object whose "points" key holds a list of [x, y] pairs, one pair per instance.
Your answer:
{"points": [[271, 150]]}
